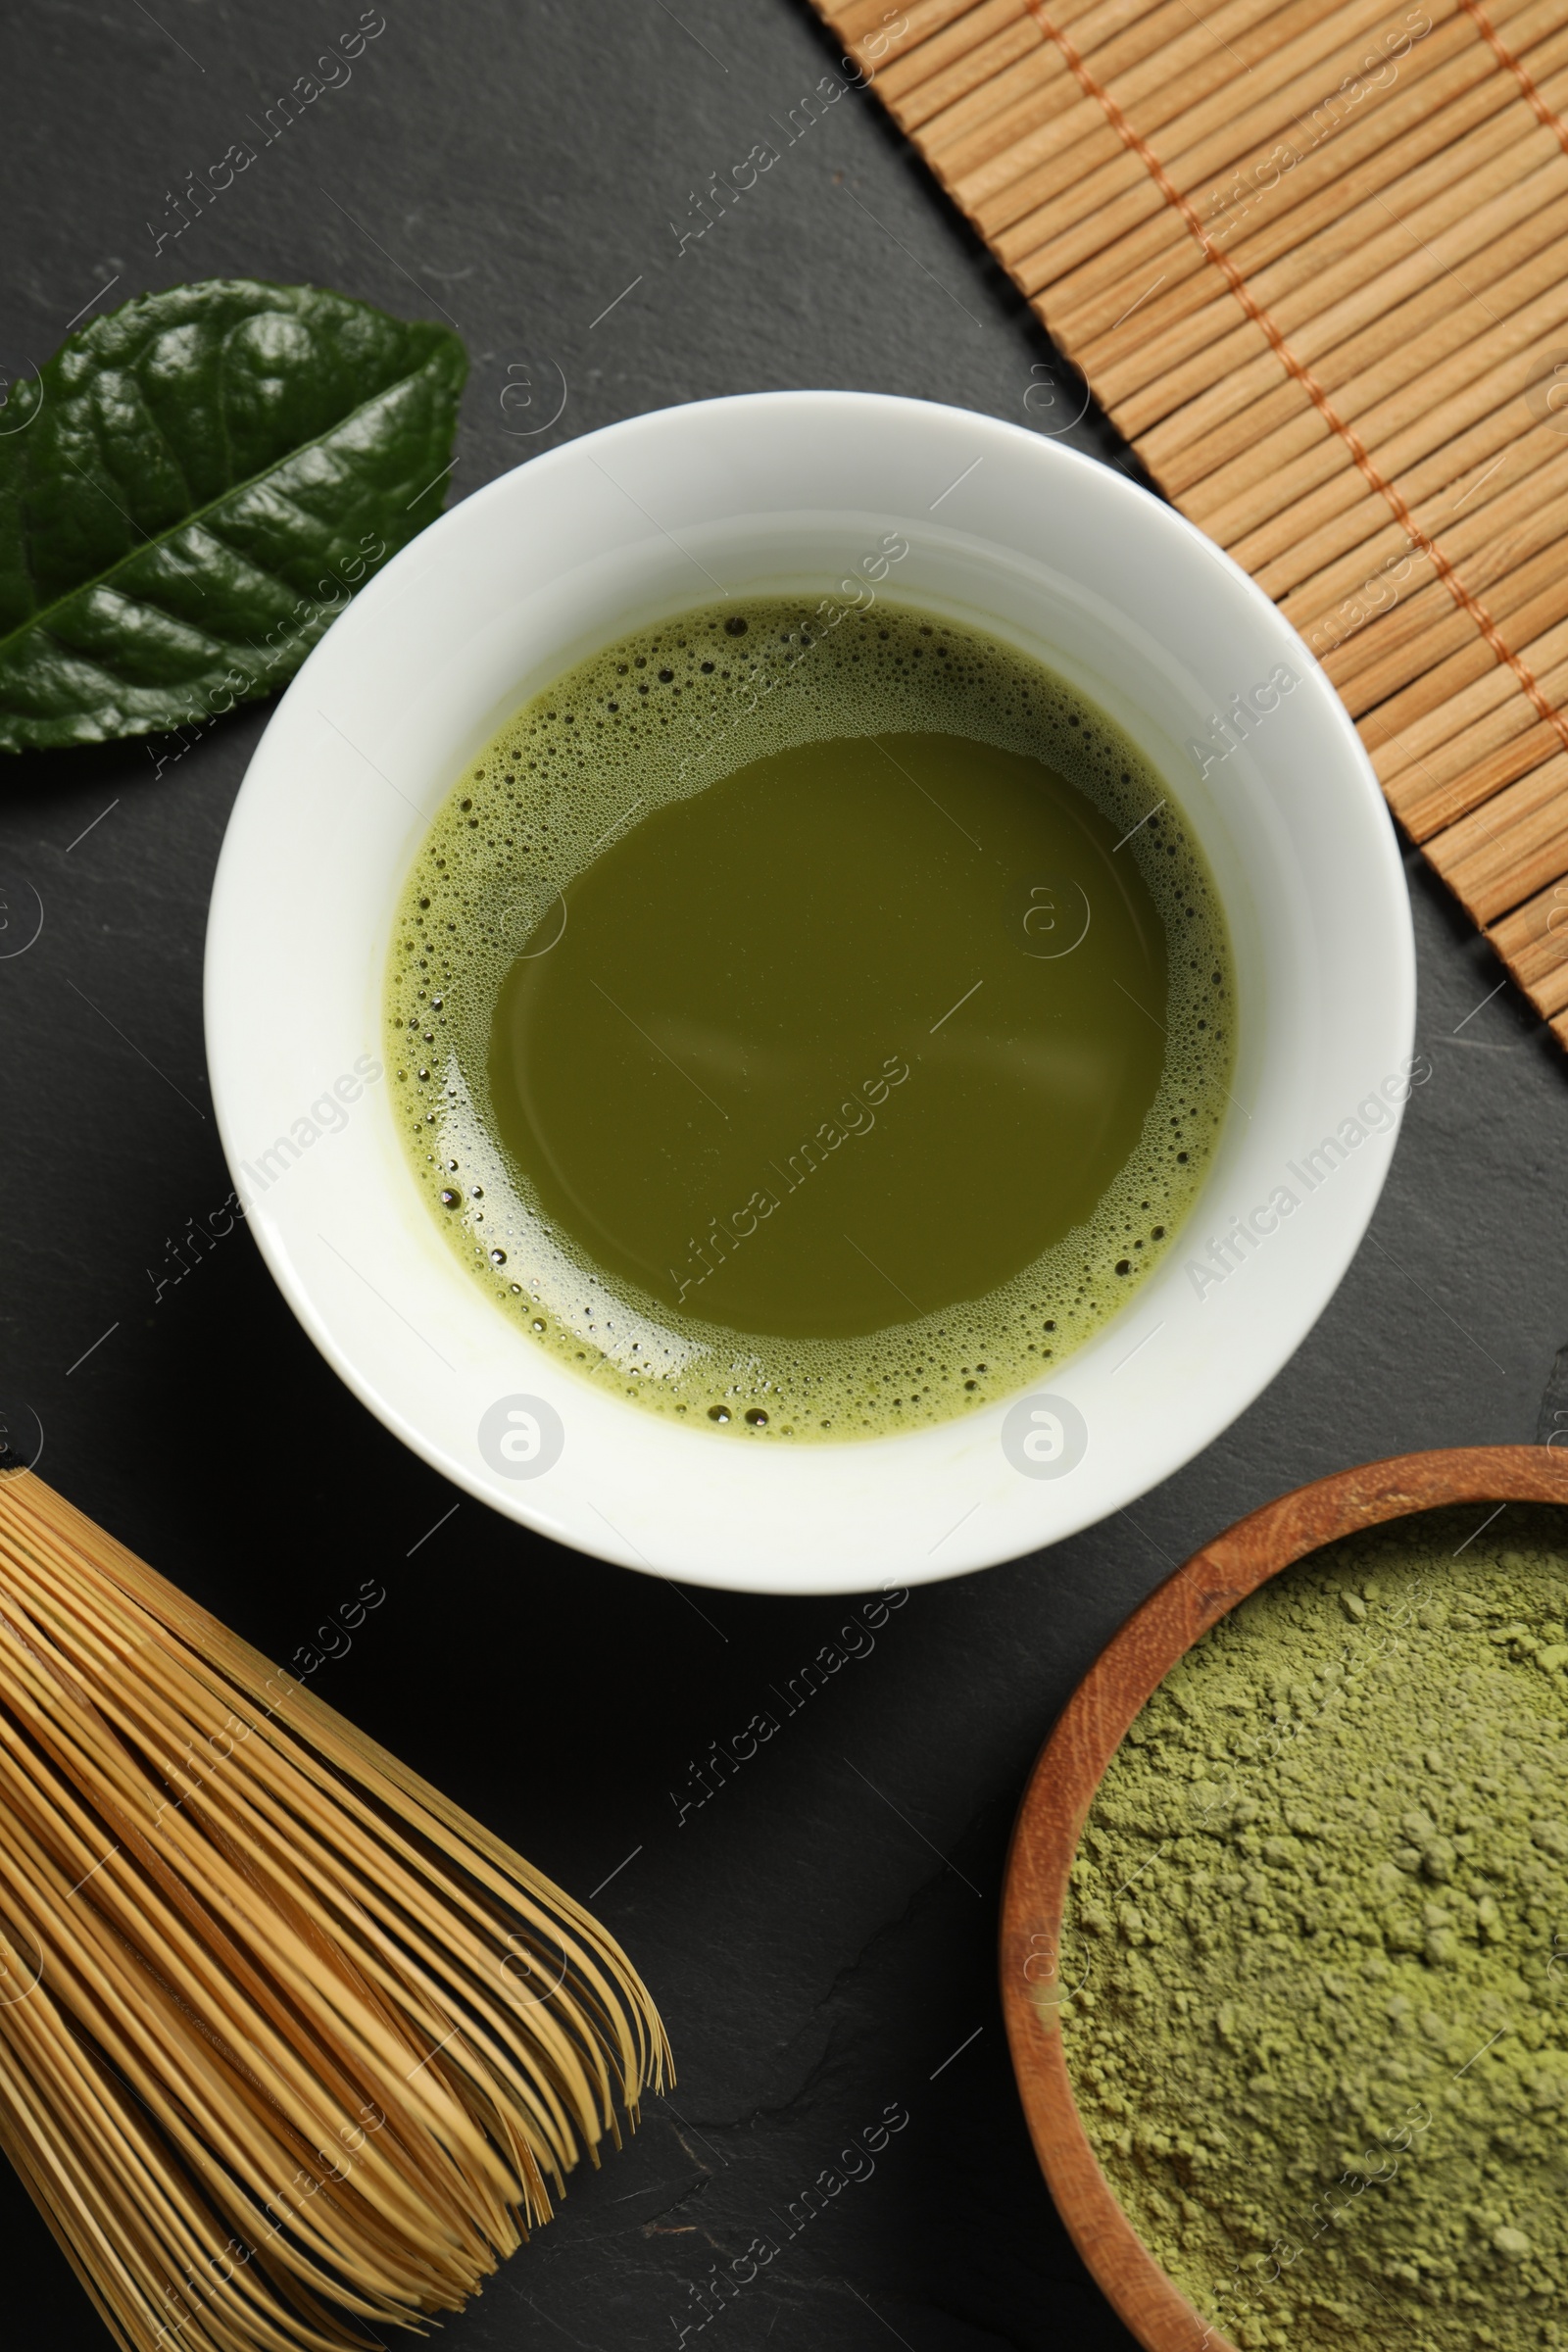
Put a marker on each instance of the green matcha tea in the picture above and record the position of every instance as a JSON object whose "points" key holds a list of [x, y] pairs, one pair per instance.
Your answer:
{"points": [[810, 1026], [1314, 1978]]}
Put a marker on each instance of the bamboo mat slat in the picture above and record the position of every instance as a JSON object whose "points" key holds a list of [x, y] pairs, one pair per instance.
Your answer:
{"points": [[1312, 257]]}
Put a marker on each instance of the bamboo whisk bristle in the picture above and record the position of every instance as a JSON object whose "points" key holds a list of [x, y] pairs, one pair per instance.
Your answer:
{"points": [[291, 2049]]}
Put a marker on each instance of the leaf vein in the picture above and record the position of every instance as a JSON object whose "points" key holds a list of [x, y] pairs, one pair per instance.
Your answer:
{"points": [[39, 618]]}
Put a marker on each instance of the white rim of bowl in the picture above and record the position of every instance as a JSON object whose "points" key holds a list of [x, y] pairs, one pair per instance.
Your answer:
{"points": [[814, 1552]]}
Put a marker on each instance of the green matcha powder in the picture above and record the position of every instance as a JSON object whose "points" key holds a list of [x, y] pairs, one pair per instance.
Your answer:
{"points": [[1315, 1970]]}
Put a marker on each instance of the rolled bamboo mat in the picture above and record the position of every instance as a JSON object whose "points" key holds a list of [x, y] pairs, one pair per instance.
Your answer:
{"points": [[1313, 260]]}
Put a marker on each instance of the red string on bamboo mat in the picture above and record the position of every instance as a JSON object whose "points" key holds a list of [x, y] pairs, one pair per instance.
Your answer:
{"points": [[1388, 491], [1518, 69]]}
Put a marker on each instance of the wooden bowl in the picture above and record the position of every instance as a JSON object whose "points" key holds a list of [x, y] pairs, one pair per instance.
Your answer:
{"points": [[1063, 1786]]}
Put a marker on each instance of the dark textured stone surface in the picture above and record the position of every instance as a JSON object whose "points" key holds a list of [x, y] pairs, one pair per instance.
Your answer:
{"points": [[821, 1934]]}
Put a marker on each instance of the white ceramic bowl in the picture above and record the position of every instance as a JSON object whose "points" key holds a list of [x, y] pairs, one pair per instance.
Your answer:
{"points": [[793, 490]]}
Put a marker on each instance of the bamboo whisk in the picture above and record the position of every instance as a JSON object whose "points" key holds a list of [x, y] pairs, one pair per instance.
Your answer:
{"points": [[290, 2048]]}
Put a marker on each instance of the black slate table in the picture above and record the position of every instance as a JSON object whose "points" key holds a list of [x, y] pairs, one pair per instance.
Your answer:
{"points": [[821, 1932]]}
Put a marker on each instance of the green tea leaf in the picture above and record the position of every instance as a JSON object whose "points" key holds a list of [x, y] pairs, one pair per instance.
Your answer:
{"points": [[191, 490]]}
